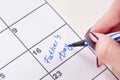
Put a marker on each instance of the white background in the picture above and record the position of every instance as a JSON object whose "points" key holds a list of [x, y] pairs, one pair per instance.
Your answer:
{"points": [[82, 14]]}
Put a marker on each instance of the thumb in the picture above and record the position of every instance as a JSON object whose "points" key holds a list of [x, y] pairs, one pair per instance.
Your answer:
{"points": [[108, 51]]}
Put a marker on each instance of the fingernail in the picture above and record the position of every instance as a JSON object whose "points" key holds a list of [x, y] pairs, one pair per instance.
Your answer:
{"points": [[99, 63], [93, 37]]}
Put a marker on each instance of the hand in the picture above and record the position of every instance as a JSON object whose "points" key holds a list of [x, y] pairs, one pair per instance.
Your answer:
{"points": [[107, 50]]}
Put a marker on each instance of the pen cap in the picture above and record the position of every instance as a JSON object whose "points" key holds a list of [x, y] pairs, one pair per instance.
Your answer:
{"points": [[88, 39]]}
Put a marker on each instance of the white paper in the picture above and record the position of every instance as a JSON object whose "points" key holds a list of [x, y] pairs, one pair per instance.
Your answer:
{"points": [[33, 45]]}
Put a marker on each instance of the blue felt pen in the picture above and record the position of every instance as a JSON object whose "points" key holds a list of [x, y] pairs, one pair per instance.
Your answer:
{"points": [[90, 40]]}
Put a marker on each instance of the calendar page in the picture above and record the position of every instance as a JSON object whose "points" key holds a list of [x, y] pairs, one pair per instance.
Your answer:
{"points": [[34, 40]]}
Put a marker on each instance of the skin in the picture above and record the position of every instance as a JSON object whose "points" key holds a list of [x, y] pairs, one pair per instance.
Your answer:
{"points": [[107, 50]]}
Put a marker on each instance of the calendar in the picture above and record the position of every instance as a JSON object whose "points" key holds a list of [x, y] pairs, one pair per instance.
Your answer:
{"points": [[34, 40]]}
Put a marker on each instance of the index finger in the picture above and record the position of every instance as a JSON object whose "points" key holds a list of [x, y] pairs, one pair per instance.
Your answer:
{"points": [[110, 19]]}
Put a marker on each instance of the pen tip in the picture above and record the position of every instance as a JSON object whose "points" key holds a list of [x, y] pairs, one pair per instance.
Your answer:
{"points": [[69, 45], [79, 43]]}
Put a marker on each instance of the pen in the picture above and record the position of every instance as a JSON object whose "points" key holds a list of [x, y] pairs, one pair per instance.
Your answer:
{"points": [[91, 39]]}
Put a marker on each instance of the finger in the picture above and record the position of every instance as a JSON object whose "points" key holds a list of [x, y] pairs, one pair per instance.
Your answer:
{"points": [[100, 63], [115, 71], [109, 20], [116, 28], [108, 51]]}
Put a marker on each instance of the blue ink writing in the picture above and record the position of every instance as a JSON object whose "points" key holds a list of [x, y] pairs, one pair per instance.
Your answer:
{"points": [[52, 49], [62, 54]]}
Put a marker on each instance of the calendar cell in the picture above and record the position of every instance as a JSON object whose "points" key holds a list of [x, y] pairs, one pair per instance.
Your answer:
{"points": [[13, 10], [24, 68], [82, 66], [38, 25], [2, 25], [54, 50], [10, 47], [47, 78], [106, 75]]}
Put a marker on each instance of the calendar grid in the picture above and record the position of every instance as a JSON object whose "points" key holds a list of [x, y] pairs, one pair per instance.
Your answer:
{"points": [[37, 44], [56, 12], [47, 36], [21, 18], [27, 14], [49, 73], [27, 50], [13, 60], [79, 37], [3, 29], [112, 73], [63, 62], [99, 74], [104, 69]]}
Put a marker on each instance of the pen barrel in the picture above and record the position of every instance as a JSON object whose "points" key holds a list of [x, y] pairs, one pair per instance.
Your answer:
{"points": [[79, 43], [115, 36], [92, 42]]}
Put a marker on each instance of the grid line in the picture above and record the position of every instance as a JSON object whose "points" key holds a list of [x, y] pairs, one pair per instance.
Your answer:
{"points": [[104, 65], [112, 73], [13, 60], [47, 36], [100, 73], [27, 49], [8, 26], [28, 14], [63, 62]]}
